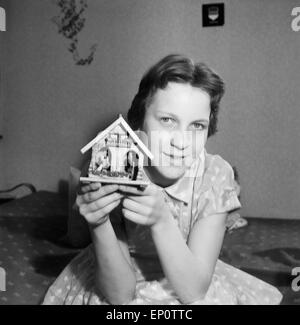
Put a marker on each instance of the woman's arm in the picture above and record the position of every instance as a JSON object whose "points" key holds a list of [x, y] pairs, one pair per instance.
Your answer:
{"points": [[114, 277], [189, 266]]}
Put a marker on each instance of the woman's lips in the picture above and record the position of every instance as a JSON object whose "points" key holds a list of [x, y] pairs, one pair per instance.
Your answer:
{"points": [[174, 156], [177, 160]]}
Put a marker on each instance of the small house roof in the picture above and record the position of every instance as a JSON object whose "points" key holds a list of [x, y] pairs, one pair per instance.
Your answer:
{"points": [[121, 121]]}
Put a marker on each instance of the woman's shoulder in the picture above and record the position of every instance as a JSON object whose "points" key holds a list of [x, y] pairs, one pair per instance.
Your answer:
{"points": [[215, 164], [216, 171], [216, 192]]}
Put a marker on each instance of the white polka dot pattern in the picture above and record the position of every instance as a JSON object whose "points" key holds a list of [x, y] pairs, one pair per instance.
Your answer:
{"points": [[210, 192]]}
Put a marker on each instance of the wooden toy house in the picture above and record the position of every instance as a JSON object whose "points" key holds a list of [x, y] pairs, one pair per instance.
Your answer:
{"points": [[117, 156]]}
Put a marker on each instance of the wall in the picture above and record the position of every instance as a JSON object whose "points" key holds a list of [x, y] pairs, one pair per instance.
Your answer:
{"points": [[53, 107]]}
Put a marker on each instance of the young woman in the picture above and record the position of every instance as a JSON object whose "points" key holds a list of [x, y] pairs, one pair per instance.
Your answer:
{"points": [[160, 245]]}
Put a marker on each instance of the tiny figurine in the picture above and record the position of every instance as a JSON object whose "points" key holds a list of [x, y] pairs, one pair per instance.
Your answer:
{"points": [[117, 156]]}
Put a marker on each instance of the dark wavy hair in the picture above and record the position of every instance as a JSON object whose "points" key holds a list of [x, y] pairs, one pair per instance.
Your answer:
{"points": [[180, 69]]}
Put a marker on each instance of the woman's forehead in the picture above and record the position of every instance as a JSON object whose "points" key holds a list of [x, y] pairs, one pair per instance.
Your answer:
{"points": [[181, 99]]}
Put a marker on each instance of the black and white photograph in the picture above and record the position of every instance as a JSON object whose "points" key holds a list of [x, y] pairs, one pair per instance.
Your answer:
{"points": [[149, 155]]}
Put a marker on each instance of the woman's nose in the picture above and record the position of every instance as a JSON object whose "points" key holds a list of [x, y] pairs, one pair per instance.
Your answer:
{"points": [[181, 140]]}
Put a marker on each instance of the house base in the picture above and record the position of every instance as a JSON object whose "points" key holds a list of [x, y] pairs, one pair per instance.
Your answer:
{"points": [[112, 180]]}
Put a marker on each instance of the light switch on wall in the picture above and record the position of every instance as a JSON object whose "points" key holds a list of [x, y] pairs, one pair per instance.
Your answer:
{"points": [[213, 14]]}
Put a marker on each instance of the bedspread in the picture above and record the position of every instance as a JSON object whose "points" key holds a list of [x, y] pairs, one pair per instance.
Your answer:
{"points": [[31, 251]]}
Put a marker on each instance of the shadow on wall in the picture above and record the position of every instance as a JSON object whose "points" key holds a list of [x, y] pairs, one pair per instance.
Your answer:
{"points": [[63, 188]]}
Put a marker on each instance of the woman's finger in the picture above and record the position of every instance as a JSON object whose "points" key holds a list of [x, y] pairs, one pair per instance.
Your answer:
{"points": [[145, 200], [94, 186], [133, 190], [94, 217], [107, 189], [102, 202], [95, 195], [135, 217], [136, 207]]}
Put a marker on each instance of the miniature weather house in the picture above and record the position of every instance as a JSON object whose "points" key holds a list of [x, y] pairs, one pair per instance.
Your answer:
{"points": [[118, 156]]}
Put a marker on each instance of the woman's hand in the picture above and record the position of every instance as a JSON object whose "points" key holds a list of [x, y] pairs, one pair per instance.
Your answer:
{"points": [[145, 206], [95, 202]]}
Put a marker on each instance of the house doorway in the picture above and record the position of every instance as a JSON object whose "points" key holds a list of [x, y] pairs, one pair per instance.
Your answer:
{"points": [[103, 161], [132, 164]]}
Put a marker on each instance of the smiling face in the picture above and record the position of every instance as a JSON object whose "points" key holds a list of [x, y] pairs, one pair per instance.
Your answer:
{"points": [[176, 125]]}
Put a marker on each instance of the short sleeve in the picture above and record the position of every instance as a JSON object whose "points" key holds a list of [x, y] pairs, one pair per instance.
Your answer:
{"points": [[218, 191]]}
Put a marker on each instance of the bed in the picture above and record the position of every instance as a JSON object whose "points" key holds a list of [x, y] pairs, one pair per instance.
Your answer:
{"points": [[32, 250]]}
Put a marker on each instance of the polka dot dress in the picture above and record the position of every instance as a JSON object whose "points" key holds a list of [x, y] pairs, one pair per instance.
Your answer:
{"points": [[206, 188]]}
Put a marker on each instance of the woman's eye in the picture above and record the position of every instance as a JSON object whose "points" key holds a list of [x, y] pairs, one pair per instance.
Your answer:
{"points": [[199, 126], [167, 120]]}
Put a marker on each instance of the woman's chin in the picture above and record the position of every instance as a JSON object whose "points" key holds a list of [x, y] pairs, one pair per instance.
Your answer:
{"points": [[172, 172]]}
